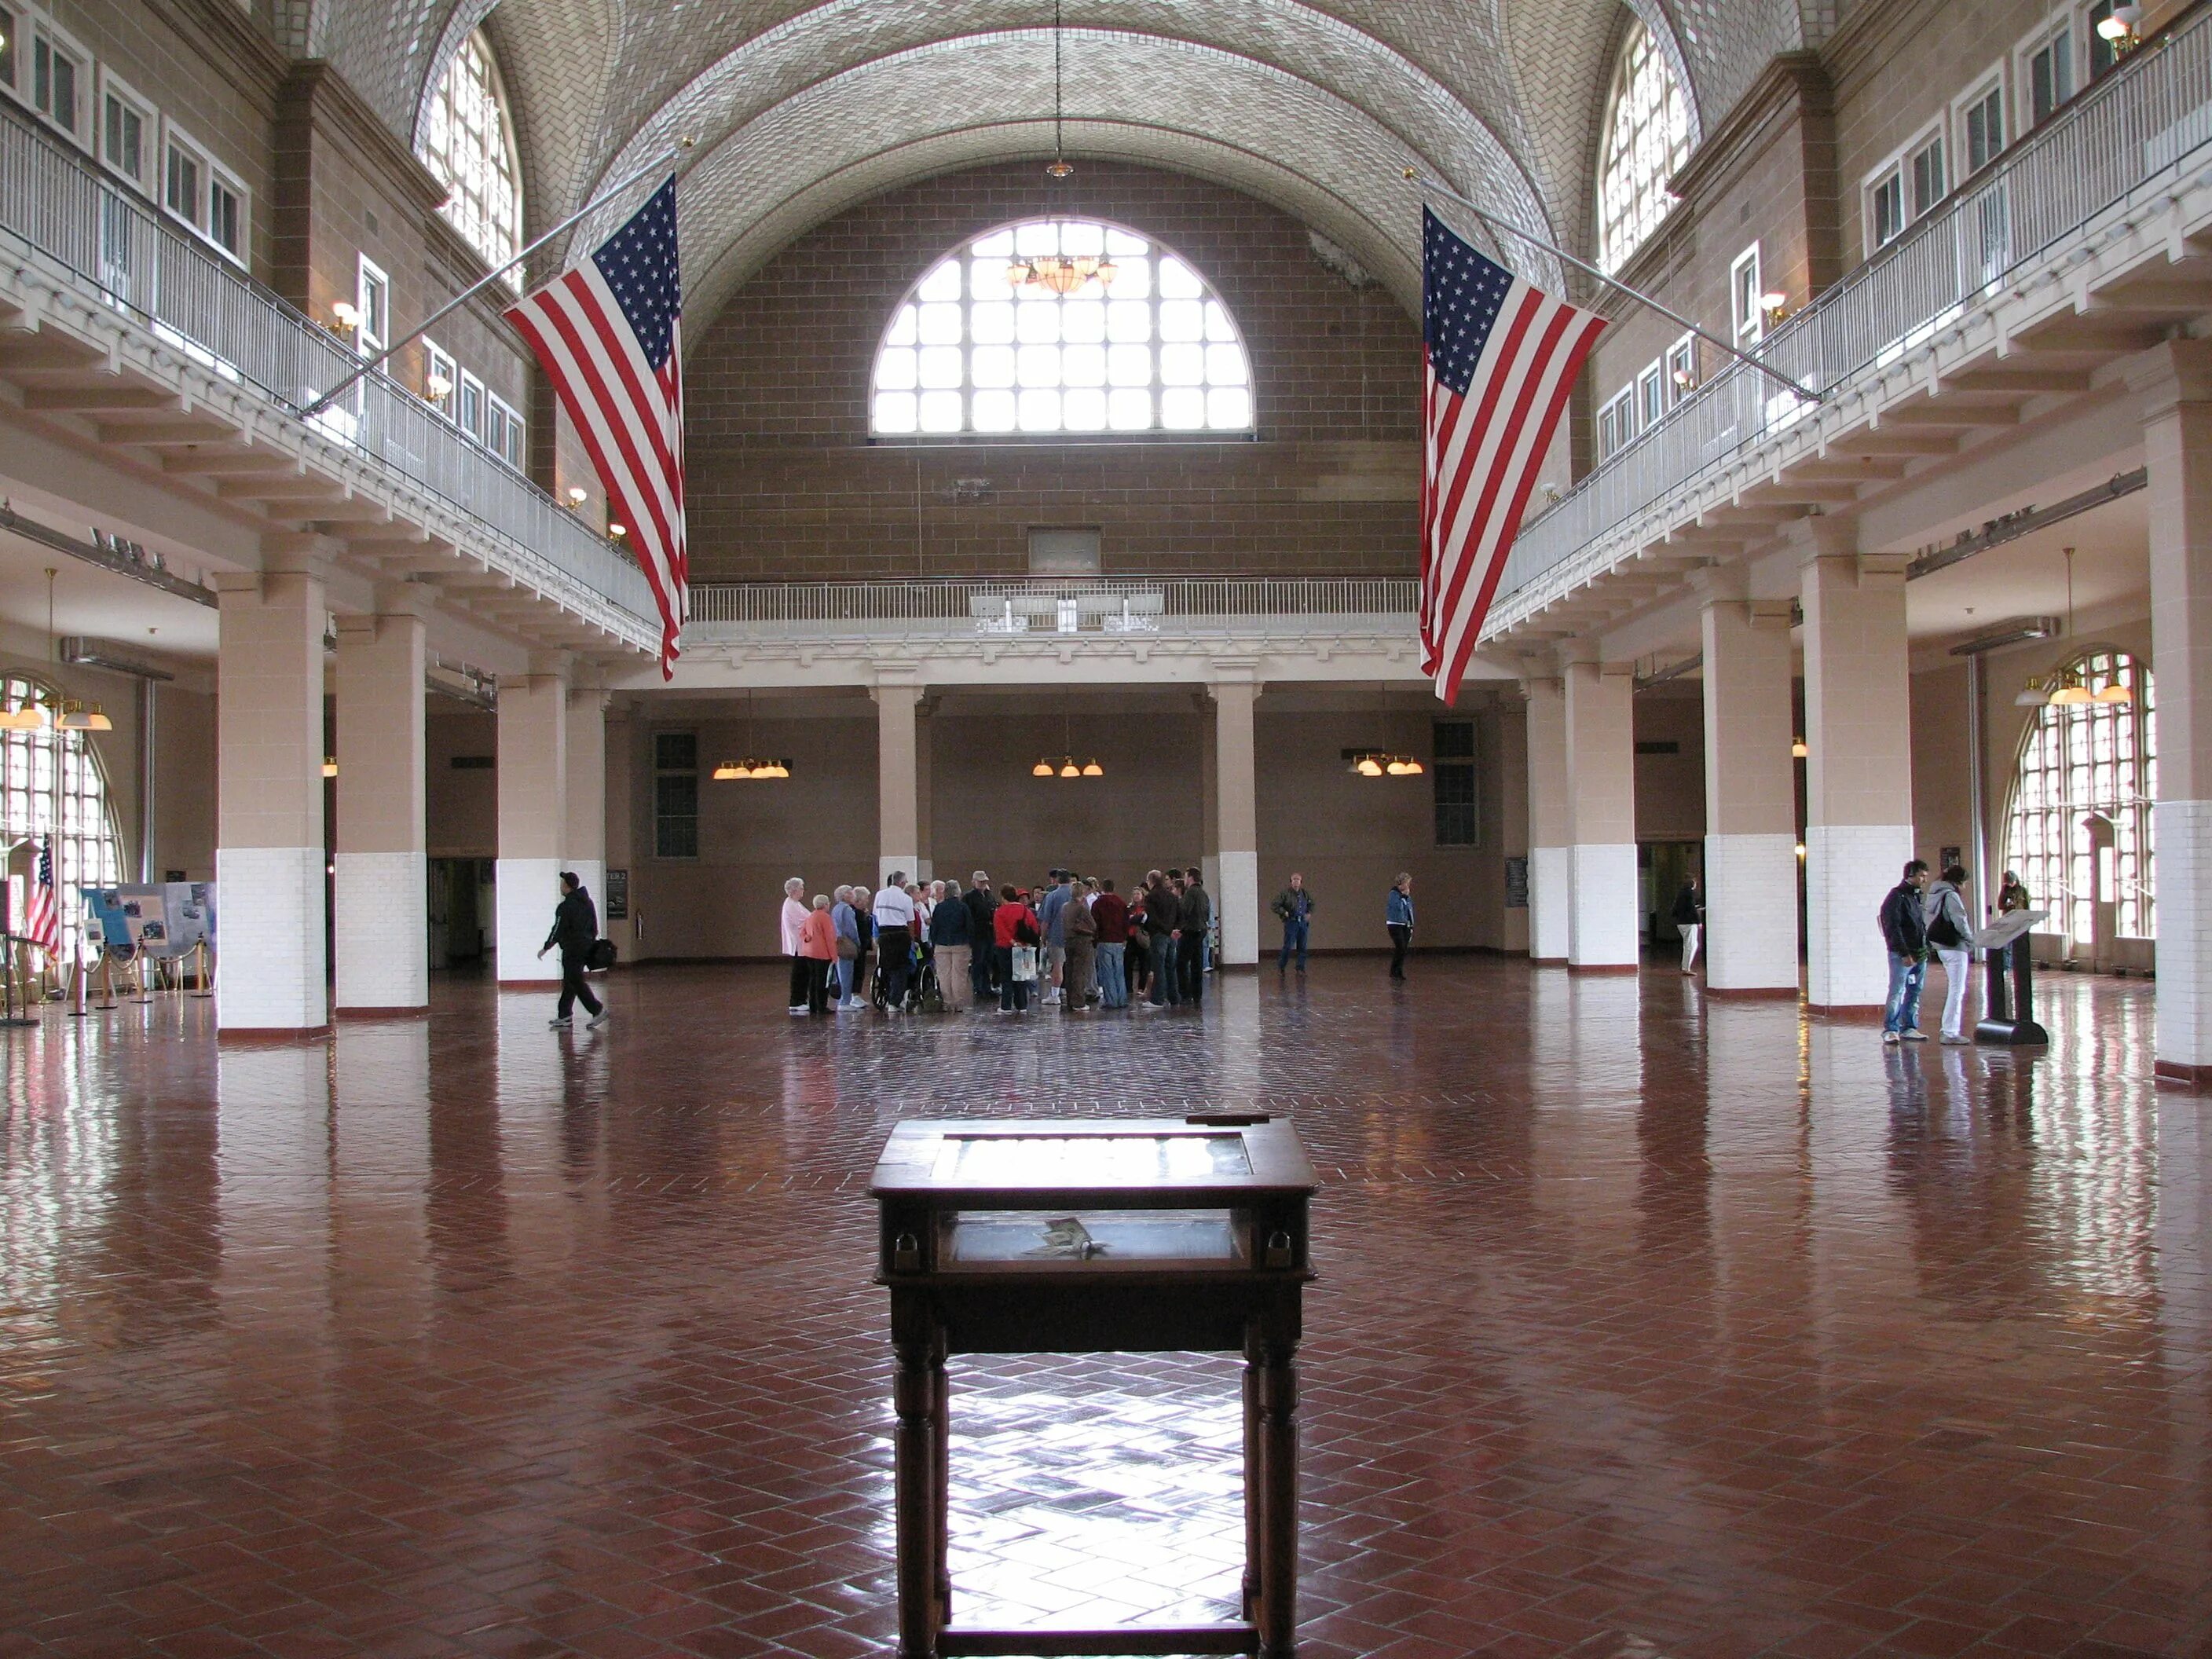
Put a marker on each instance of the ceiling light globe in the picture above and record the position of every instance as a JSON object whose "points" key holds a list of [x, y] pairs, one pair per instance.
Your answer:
{"points": [[1042, 769], [1093, 769], [2115, 693]]}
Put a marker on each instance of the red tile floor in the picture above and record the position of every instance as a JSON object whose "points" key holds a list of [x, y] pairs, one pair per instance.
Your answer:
{"points": [[1650, 1326]]}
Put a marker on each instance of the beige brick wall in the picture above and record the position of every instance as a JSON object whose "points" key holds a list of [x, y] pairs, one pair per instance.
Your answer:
{"points": [[783, 482]]}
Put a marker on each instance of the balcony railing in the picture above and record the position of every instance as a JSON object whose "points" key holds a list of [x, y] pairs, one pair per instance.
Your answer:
{"points": [[2141, 118], [118, 252], [1057, 605]]}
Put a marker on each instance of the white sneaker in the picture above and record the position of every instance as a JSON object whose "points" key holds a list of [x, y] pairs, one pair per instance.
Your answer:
{"points": [[1966, 1042], [797, 1008], [850, 1007], [560, 1024], [599, 1018], [1916, 1034], [1890, 1038]]}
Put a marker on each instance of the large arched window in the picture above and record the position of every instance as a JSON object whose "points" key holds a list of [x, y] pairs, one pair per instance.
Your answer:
{"points": [[51, 787], [1646, 140], [2080, 763], [985, 343], [470, 145]]}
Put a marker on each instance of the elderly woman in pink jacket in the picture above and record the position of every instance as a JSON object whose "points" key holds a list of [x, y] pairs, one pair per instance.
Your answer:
{"points": [[794, 919]]}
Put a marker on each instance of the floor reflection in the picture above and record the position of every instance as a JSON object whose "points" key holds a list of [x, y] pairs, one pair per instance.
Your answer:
{"points": [[1648, 1323]]}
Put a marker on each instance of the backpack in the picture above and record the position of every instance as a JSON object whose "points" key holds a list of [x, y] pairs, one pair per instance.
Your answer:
{"points": [[600, 957], [1943, 933]]}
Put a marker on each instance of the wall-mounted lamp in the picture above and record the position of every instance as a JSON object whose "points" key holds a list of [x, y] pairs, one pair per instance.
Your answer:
{"points": [[2119, 29], [1801, 852], [1772, 304], [575, 498], [330, 766], [1798, 750], [437, 388], [347, 315], [617, 532]]}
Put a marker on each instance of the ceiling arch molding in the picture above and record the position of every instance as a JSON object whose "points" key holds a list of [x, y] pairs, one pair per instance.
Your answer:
{"points": [[1201, 95], [1355, 226]]}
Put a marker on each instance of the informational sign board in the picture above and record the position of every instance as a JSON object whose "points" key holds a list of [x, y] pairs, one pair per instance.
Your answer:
{"points": [[1516, 884], [2008, 928], [155, 919], [617, 896]]}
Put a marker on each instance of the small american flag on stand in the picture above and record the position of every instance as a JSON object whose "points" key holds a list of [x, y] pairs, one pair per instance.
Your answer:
{"points": [[609, 335], [1499, 359], [42, 922]]}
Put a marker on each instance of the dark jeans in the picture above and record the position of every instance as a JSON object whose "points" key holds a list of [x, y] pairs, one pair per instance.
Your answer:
{"points": [[1295, 929], [572, 987], [1402, 940], [1013, 994], [983, 966], [800, 979], [817, 983], [895, 946], [1191, 955], [1164, 970]]}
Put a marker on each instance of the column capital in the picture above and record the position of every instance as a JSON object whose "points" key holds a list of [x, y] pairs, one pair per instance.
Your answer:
{"points": [[1232, 670], [299, 553], [890, 674], [1721, 584], [2171, 373], [896, 692], [1825, 536]]}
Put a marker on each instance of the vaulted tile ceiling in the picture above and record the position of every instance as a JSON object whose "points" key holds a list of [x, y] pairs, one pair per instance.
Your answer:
{"points": [[800, 110]]}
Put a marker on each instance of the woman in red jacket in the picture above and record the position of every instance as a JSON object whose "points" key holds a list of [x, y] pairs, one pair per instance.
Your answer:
{"points": [[1013, 924], [818, 949]]}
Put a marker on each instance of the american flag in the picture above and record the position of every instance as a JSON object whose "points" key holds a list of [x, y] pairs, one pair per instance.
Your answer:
{"points": [[42, 925], [1500, 357], [610, 334]]}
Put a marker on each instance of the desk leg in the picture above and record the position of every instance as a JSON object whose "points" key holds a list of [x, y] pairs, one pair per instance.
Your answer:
{"points": [[1255, 1485], [914, 1396], [940, 1390], [1278, 1387]]}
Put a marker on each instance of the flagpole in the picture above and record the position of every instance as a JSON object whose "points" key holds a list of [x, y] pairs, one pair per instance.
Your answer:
{"points": [[1494, 226], [470, 293]]}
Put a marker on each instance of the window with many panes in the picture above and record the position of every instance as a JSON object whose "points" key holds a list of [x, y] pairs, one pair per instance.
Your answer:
{"points": [[975, 350], [2078, 761], [2046, 71], [1981, 125], [1453, 776], [1647, 139], [469, 144], [51, 788], [675, 794]]}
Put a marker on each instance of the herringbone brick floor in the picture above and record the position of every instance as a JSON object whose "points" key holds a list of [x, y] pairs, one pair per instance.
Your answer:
{"points": [[1648, 1327]]}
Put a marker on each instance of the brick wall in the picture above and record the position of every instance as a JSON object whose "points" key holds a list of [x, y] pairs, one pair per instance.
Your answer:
{"points": [[784, 483]]}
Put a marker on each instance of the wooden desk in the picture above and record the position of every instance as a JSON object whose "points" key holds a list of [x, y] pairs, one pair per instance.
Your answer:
{"points": [[1058, 1236]]}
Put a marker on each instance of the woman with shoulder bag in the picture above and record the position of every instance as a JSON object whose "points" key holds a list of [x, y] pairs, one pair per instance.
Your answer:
{"points": [[1952, 937], [1016, 935]]}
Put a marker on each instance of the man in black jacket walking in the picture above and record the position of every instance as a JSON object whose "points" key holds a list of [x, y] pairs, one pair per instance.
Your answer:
{"points": [[1905, 931], [575, 930], [1197, 918]]}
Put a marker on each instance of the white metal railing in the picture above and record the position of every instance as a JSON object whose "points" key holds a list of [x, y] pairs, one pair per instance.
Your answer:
{"points": [[1062, 605], [118, 252], [2141, 118]]}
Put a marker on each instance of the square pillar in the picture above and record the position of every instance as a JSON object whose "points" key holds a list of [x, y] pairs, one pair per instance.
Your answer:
{"points": [[1858, 777], [381, 893], [898, 791], [584, 840], [533, 818], [1751, 800], [1602, 908], [2175, 381], [1547, 819], [272, 969], [1236, 822]]}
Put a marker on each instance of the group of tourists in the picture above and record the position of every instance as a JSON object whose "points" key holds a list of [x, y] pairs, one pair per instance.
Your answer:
{"points": [[1922, 918], [1074, 942]]}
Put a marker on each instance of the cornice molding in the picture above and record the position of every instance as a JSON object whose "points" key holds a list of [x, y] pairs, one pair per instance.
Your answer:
{"points": [[1794, 84], [229, 44], [334, 110]]}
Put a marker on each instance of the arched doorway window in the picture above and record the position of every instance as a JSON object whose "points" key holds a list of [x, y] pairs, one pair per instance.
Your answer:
{"points": [[1646, 140], [2081, 764], [51, 787], [1125, 338]]}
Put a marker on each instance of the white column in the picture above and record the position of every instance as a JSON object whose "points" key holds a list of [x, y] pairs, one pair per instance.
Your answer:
{"points": [[1858, 778], [1548, 885], [381, 895], [1602, 908], [1237, 823], [2176, 380], [533, 817], [898, 795], [583, 844], [270, 849], [1751, 800]]}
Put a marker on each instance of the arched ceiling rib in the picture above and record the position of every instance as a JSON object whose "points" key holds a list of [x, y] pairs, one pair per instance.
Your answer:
{"points": [[1497, 96], [1209, 100]]}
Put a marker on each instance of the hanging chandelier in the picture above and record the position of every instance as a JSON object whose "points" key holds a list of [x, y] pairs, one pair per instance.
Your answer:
{"points": [[1065, 766], [2069, 687], [1383, 762], [1058, 274], [749, 768]]}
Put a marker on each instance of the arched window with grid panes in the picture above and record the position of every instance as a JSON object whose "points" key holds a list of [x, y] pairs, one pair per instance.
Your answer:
{"points": [[983, 345], [52, 788], [469, 145], [1645, 139], [2078, 761]]}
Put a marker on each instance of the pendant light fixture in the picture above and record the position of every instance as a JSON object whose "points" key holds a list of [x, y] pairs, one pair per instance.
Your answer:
{"points": [[1061, 274], [750, 768], [2069, 692], [1383, 762], [1065, 766], [69, 713]]}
